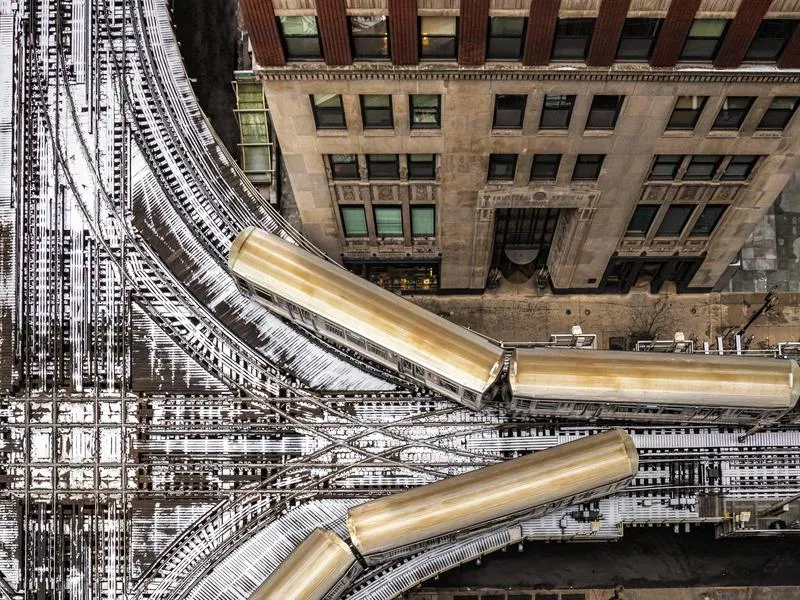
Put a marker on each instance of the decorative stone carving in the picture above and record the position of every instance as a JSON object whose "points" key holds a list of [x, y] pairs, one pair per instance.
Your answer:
{"points": [[535, 198]]}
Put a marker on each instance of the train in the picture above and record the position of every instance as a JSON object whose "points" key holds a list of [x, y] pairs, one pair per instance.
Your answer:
{"points": [[322, 566], [461, 365]]}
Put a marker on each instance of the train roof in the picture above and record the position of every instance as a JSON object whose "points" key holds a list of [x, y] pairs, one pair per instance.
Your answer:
{"points": [[356, 305], [656, 378]]}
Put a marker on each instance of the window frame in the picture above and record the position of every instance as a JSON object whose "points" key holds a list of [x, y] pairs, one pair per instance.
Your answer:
{"points": [[687, 218], [362, 98], [774, 55], [342, 208], [592, 109], [750, 167], [709, 231], [579, 164], [682, 57], [699, 159], [521, 111], [657, 161], [697, 112], [500, 158], [556, 164], [653, 208], [285, 39], [410, 170], [744, 112], [357, 56], [789, 114], [521, 39], [546, 110], [437, 56], [653, 38], [356, 176], [413, 207], [315, 109], [378, 207], [438, 112], [370, 168], [559, 38]]}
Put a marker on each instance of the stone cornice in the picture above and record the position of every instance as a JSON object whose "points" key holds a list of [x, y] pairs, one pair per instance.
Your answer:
{"points": [[630, 73]]}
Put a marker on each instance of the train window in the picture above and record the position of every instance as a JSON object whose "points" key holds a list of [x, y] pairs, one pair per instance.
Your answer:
{"points": [[356, 339], [419, 371], [448, 385], [376, 350], [470, 396], [337, 331]]}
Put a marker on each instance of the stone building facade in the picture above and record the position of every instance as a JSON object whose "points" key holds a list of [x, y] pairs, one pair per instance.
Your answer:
{"points": [[613, 142]]}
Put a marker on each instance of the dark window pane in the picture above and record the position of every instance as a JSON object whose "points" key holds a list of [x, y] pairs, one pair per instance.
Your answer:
{"points": [[604, 112], [771, 38], [686, 112], [675, 220], [545, 167], [376, 111], [506, 35], [733, 112], [704, 39], [423, 221], [344, 166], [638, 37], [642, 219], [354, 221], [779, 113], [383, 166], [300, 37], [708, 219], [509, 111], [740, 167], [666, 166], [370, 37], [556, 112], [502, 166], [388, 221], [421, 166], [438, 37], [572, 38], [587, 167], [328, 111], [702, 166], [425, 111]]}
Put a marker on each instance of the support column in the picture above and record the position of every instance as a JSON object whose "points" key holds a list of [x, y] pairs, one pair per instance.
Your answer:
{"points": [[790, 57], [741, 33], [674, 32], [607, 31], [541, 29], [259, 16], [473, 27], [404, 32]]}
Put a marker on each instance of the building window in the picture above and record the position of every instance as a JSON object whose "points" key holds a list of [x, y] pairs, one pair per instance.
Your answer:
{"points": [[604, 112], [423, 221], [702, 166], [556, 112], [740, 167], [666, 166], [383, 166], [642, 219], [733, 112], [779, 113], [704, 39], [426, 111], [771, 38], [388, 221], [376, 111], [509, 111], [502, 167], [587, 167], [545, 167], [686, 112], [438, 37], [300, 37], [421, 166], [354, 221], [328, 111], [506, 37], [572, 39], [708, 219], [637, 39], [344, 166], [370, 38], [675, 220]]}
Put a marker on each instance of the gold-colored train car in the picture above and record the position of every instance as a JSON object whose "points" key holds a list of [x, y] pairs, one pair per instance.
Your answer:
{"points": [[652, 386], [372, 321], [534, 484]]}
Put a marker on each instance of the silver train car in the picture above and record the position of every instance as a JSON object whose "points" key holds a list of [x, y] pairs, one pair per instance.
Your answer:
{"points": [[404, 523], [378, 324], [652, 386]]}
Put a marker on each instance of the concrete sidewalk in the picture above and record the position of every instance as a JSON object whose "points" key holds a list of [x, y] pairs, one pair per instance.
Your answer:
{"points": [[519, 313]]}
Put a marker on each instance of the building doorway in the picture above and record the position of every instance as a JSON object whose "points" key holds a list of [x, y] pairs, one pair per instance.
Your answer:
{"points": [[623, 273], [522, 240]]}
